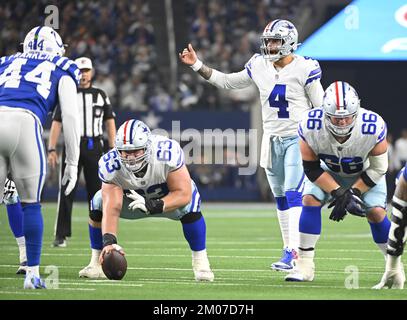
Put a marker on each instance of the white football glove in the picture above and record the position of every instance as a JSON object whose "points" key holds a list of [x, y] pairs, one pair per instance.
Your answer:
{"points": [[70, 177], [392, 279], [138, 201]]}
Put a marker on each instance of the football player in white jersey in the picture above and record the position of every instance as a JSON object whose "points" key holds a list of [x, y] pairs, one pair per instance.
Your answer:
{"points": [[289, 85], [350, 141], [145, 176], [394, 276]]}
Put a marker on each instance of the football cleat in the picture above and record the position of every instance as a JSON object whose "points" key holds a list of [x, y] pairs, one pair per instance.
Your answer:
{"points": [[22, 269], [202, 270], [59, 242], [392, 279], [33, 282], [286, 262], [92, 271], [304, 270]]}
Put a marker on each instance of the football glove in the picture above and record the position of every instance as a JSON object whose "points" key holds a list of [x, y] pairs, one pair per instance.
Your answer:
{"points": [[355, 204], [338, 203], [70, 177], [149, 206]]}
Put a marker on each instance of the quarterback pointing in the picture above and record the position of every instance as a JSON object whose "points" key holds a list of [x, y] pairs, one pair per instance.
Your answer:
{"points": [[344, 153], [289, 85], [145, 176]]}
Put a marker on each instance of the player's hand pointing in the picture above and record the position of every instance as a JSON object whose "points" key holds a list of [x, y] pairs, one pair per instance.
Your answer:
{"points": [[188, 55]]}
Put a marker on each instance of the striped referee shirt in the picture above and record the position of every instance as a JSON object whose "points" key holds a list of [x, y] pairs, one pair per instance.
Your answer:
{"points": [[94, 108]]}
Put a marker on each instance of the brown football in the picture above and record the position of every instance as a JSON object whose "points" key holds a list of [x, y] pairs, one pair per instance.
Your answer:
{"points": [[114, 265]]}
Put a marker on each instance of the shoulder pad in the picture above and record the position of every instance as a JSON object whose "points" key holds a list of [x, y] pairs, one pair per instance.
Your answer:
{"points": [[109, 165], [69, 66]]}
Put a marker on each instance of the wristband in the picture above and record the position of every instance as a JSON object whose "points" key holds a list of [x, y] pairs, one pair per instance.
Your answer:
{"points": [[109, 239], [197, 65]]}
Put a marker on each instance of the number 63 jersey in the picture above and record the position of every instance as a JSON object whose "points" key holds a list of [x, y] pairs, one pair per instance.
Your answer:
{"points": [[346, 159], [166, 156]]}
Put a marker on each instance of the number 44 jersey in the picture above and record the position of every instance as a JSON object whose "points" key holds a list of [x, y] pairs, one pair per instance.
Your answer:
{"points": [[351, 157], [166, 156]]}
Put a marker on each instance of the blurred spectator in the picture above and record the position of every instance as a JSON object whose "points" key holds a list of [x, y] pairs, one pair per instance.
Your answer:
{"points": [[401, 147]]}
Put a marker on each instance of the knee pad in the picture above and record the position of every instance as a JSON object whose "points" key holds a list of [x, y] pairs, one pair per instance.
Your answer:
{"points": [[96, 215], [191, 217], [398, 228]]}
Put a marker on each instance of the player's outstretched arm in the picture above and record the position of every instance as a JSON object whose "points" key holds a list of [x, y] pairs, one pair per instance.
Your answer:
{"points": [[222, 80], [70, 121], [180, 191], [112, 196]]}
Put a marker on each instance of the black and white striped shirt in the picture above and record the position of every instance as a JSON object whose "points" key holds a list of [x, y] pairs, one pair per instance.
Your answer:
{"points": [[94, 108]]}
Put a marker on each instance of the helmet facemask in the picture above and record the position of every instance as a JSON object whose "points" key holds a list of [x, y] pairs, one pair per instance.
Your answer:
{"points": [[340, 130], [135, 163]]}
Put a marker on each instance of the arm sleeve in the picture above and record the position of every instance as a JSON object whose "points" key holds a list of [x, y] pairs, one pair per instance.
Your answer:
{"points": [[315, 93], [56, 116], [237, 80], [107, 107], [70, 123]]}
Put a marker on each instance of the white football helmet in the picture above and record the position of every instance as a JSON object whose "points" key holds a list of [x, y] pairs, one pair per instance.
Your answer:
{"points": [[340, 101], [134, 135], [282, 30], [44, 39]]}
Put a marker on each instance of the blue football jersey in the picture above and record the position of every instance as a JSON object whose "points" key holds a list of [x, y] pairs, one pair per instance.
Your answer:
{"points": [[30, 81]]}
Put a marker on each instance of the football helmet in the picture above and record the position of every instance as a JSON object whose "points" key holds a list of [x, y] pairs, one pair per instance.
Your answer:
{"points": [[134, 135], [44, 39], [340, 101], [282, 30]]}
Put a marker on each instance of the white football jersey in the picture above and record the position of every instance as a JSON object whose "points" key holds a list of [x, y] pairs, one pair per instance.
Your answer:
{"points": [[166, 156], [283, 94], [351, 157]]}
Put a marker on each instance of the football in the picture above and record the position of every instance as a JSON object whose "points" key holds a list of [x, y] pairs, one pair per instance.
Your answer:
{"points": [[114, 265]]}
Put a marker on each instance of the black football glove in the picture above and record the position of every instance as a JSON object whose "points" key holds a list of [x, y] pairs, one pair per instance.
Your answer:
{"points": [[339, 204], [355, 204]]}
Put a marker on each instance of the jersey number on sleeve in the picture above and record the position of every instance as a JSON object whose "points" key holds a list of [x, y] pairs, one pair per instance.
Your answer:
{"points": [[369, 123], [164, 150], [277, 100], [111, 165], [40, 75], [314, 119]]}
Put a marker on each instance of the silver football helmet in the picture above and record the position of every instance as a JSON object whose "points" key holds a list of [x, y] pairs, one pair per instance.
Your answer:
{"points": [[134, 135], [44, 39], [340, 101], [284, 31]]}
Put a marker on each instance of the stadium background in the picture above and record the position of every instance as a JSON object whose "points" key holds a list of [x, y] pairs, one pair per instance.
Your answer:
{"points": [[134, 47]]}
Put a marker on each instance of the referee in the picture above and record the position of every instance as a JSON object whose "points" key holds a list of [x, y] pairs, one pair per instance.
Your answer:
{"points": [[94, 108]]}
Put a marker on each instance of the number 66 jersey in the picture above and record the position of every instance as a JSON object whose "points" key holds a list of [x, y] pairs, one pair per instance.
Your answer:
{"points": [[166, 156], [351, 157]]}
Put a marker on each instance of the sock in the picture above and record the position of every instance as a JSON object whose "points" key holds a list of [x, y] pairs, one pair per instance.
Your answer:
{"points": [[195, 234], [96, 238], [21, 248], [34, 270], [199, 254], [16, 219], [95, 256], [294, 212], [33, 231], [283, 219], [393, 262], [310, 227], [380, 233]]}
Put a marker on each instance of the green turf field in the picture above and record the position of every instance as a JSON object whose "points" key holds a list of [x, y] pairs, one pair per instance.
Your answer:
{"points": [[242, 241]]}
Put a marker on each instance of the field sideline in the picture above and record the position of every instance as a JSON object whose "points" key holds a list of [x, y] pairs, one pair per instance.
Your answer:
{"points": [[242, 241]]}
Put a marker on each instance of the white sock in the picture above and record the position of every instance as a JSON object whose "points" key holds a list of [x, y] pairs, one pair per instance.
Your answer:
{"points": [[383, 248], [306, 254], [95, 256], [283, 219], [199, 254], [308, 240], [294, 227], [393, 262], [34, 270], [21, 248]]}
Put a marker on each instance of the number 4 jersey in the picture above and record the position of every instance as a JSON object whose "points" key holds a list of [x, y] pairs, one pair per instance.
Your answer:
{"points": [[30, 81], [166, 156], [351, 157]]}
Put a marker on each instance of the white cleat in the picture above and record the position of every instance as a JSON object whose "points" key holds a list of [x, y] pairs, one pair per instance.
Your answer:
{"points": [[92, 271], [304, 270], [202, 270], [32, 282], [392, 279]]}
